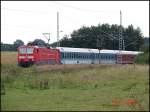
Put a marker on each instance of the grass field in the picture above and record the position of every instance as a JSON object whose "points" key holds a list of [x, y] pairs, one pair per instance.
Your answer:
{"points": [[74, 87], [8, 57]]}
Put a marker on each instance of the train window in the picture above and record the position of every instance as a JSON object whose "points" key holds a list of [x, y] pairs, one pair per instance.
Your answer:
{"points": [[78, 55], [70, 55], [29, 50], [67, 55], [22, 50], [62, 55], [87, 55], [73, 55]]}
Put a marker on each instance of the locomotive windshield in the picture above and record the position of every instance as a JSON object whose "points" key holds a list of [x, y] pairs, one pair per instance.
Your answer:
{"points": [[22, 50], [29, 50], [26, 50]]}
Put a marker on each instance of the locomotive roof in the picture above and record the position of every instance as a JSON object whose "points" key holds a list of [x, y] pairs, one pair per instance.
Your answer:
{"points": [[88, 50]]}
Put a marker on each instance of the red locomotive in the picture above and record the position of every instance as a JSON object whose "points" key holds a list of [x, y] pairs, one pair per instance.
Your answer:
{"points": [[29, 55]]}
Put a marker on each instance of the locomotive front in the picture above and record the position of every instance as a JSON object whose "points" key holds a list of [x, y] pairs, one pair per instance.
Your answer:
{"points": [[26, 56]]}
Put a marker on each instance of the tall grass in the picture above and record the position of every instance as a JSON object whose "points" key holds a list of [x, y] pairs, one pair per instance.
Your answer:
{"points": [[74, 87]]}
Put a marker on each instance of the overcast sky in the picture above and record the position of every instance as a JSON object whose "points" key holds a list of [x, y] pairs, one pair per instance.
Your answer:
{"points": [[27, 20]]}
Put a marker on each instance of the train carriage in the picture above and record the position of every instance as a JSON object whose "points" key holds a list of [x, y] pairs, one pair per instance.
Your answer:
{"points": [[86, 56]]}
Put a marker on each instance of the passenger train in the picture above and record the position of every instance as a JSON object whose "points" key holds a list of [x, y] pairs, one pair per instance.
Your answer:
{"points": [[29, 55]]}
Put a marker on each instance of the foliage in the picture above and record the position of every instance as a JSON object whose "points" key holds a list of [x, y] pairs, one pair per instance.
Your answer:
{"points": [[86, 37], [144, 57], [18, 43], [7, 47], [38, 42], [11, 47]]}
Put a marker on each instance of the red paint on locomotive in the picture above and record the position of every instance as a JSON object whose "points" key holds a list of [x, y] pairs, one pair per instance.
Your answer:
{"points": [[28, 55]]}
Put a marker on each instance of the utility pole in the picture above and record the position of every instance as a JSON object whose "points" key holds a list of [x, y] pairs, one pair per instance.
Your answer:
{"points": [[121, 41], [48, 38], [99, 46], [58, 29], [120, 33]]}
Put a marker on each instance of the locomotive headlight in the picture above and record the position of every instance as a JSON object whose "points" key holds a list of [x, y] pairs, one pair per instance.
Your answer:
{"points": [[31, 57], [21, 57]]}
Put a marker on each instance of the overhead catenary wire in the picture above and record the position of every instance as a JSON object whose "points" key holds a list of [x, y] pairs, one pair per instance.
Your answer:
{"points": [[27, 11], [80, 9], [41, 12]]}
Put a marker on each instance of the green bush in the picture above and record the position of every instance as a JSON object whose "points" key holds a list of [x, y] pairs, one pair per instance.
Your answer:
{"points": [[144, 57]]}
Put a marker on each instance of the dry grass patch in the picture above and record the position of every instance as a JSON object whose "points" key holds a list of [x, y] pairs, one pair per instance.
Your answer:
{"points": [[8, 57]]}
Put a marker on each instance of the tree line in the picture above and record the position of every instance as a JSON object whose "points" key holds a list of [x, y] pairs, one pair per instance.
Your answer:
{"points": [[19, 42], [88, 37]]}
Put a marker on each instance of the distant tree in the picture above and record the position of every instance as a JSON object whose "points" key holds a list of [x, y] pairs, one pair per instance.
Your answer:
{"points": [[7, 47], [133, 36], [144, 57], [18, 43], [38, 42], [54, 44], [66, 42], [146, 40], [86, 37]]}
